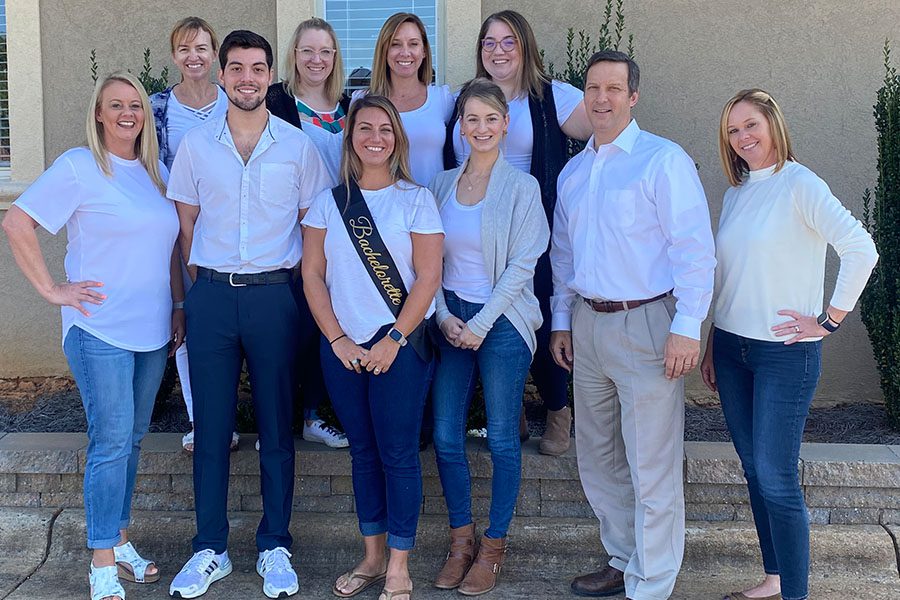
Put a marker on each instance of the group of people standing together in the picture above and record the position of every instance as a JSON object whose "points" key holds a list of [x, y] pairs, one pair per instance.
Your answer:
{"points": [[407, 242]]}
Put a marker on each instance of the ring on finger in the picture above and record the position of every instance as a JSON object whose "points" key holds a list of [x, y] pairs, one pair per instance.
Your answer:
{"points": [[797, 328], [377, 370], [355, 361]]}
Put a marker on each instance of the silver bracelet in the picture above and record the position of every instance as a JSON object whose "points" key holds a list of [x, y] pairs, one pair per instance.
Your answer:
{"points": [[178, 305]]}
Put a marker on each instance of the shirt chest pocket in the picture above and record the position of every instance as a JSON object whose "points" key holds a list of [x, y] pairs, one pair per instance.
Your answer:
{"points": [[619, 206], [278, 185]]}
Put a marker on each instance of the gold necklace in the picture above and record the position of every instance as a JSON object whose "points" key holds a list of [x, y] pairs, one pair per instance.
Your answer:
{"points": [[472, 184]]}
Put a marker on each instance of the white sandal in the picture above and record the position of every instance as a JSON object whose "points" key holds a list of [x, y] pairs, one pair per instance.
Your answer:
{"points": [[132, 566], [187, 442], [105, 583]]}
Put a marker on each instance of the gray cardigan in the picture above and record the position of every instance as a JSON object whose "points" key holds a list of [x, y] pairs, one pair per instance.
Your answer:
{"points": [[514, 234]]}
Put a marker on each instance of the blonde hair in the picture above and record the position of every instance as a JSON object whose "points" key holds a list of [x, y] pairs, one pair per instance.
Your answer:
{"points": [[380, 84], [145, 145], [735, 167], [334, 85], [482, 88], [532, 77], [184, 27], [398, 165]]}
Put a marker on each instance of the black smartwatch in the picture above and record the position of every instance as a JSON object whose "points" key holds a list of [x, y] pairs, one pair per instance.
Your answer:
{"points": [[827, 323], [397, 336]]}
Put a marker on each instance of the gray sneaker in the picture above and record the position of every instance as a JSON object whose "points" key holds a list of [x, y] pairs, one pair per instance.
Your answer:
{"points": [[202, 570]]}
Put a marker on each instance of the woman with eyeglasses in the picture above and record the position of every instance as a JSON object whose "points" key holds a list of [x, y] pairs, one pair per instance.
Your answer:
{"points": [[402, 71], [542, 114], [312, 98]]}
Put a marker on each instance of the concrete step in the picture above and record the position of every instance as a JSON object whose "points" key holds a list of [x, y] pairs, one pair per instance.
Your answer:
{"points": [[545, 554]]}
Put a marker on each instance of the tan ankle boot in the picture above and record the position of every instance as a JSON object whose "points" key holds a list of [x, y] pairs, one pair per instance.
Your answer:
{"points": [[459, 559], [482, 575], [557, 436]]}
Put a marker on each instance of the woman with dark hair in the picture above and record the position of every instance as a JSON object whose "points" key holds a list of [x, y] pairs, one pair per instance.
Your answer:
{"points": [[365, 243], [177, 109], [312, 98], [402, 72], [118, 314], [495, 231], [542, 114], [764, 354]]}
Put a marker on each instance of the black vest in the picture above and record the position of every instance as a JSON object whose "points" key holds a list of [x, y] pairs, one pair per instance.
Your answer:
{"points": [[548, 154]]}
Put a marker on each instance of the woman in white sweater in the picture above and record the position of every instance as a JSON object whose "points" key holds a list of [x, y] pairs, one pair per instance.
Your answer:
{"points": [[777, 221], [495, 232]]}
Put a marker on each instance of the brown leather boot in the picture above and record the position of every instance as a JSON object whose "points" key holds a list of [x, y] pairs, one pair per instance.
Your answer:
{"points": [[459, 559], [557, 436], [482, 575]]}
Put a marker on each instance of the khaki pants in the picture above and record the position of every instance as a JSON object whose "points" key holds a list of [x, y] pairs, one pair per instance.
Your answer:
{"points": [[629, 434]]}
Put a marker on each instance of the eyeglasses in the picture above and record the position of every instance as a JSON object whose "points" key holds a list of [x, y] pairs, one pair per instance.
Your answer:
{"points": [[309, 53], [490, 44]]}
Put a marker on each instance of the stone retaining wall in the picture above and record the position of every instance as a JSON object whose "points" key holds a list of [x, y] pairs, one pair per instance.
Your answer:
{"points": [[843, 484]]}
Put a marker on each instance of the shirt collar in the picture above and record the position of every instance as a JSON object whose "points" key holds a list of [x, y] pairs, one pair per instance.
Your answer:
{"points": [[223, 134], [624, 141]]}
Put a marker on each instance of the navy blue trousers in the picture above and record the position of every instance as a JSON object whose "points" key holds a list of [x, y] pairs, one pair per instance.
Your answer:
{"points": [[225, 326], [551, 380]]}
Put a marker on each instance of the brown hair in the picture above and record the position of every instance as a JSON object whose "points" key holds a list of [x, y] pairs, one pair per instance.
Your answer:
{"points": [[380, 84], [187, 29], [482, 88], [351, 165], [532, 77], [735, 167], [334, 85]]}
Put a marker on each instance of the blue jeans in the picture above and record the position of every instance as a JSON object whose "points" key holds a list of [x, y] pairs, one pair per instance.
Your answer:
{"points": [[382, 415], [117, 389], [766, 389], [502, 361]]}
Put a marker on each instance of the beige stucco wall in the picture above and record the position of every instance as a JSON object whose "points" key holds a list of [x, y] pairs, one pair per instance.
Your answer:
{"points": [[822, 61]]}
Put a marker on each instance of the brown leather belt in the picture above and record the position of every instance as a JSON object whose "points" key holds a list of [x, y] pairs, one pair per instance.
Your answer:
{"points": [[611, 306]]}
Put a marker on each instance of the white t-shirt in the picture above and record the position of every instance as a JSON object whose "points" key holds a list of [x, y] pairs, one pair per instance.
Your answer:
{"points": [[426, 128], [398, 211], [180, 119], [519, 140], [121, 232], [464, 271]]}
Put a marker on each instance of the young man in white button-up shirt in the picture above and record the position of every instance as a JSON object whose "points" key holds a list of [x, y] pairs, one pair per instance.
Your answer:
{"points": [[241, 183], [633, 259]]}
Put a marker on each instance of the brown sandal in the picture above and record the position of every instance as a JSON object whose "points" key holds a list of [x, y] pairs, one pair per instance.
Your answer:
{"points": [[386, 595], [368, 581]]}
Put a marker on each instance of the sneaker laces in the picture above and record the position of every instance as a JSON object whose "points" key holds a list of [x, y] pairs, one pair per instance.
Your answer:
{"points": [[276, 560], [331, 430], [200, 561]]}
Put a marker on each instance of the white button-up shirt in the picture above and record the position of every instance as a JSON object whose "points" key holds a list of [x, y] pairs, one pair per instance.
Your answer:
{"points": [[248, 221], [631, 222]]}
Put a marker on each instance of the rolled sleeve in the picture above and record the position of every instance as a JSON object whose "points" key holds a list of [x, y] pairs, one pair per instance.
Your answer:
{"points": [[182, 187]]}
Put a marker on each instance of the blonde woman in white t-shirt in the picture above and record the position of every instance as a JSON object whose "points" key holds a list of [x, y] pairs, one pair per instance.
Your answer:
{"points": [[375, 377], [117, 305], [764, 355]]}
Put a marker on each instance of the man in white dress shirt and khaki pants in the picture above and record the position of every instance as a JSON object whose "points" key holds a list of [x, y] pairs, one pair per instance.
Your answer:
{"points": [[633, 259]]}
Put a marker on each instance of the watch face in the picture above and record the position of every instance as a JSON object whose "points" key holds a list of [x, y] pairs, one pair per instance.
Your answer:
{"points": [[395, 335]]}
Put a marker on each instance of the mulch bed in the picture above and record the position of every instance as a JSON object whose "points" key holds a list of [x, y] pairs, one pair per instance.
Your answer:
{"points": [[53, 405]]}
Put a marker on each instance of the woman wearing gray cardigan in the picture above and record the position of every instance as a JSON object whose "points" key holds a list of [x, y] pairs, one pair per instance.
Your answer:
{"points": [[495, 232]]}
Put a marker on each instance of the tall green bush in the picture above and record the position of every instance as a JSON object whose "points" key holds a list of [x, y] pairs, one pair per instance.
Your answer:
{"points": [[880, 305], [151, 84]]}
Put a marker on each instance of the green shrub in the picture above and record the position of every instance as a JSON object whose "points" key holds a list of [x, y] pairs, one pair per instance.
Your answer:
{"points": [[151, 84], [880, 306]]}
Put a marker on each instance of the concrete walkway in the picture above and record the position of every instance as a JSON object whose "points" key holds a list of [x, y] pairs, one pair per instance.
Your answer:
{"points": [[42, 557]]}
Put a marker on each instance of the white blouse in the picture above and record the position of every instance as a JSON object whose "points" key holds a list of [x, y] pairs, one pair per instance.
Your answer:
{"points": [[464, 269], [121, 232], [398, 211], [773, 234]]}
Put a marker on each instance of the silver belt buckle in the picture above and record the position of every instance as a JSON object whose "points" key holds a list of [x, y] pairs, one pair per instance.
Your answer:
{"points": [[232, 283]]}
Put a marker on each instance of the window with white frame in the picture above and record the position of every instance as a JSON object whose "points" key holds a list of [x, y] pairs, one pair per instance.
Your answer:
{"points": [[4, 96], [357, 23]]}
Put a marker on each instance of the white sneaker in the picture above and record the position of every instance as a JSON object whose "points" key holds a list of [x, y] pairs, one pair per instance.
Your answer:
{"points": [[279, 578], [202, 570], [324, 434]]}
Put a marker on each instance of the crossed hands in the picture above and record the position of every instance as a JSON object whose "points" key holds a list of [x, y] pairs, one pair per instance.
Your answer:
{"points": [[459, 335]]}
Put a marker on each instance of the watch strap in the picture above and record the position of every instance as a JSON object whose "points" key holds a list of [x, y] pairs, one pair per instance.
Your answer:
{"points": [[824, 320]]}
